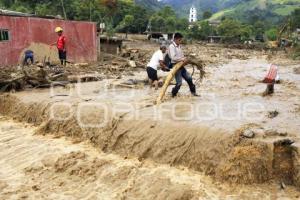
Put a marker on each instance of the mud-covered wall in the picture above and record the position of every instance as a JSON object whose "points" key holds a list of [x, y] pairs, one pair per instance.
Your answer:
{"points": [[28, 32]]}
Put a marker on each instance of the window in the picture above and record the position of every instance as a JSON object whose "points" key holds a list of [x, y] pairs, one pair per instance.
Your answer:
{"points": [[4, 35]]}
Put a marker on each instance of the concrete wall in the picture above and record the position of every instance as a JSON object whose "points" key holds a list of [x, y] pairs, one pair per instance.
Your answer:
{"points": [[38, 33]]}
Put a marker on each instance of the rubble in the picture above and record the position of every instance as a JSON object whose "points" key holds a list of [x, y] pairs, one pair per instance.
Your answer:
{"points": [[33, 76], [274, 133], [132, 64], [82, 64], [273, 114], [45, 74]]}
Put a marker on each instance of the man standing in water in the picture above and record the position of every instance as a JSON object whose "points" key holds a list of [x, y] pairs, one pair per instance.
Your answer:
{"points": [[176, 55], [61, 46]]}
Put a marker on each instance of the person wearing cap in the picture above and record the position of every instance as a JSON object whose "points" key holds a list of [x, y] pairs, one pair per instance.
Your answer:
{"points": [[176, 55], [157, 61], [61, 45]]}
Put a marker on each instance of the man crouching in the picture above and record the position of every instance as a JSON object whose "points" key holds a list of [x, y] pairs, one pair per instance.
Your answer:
{"points": [[156, 61]]}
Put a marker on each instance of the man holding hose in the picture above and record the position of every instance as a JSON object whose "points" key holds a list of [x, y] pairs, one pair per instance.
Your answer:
{"points": [[176, 55]]}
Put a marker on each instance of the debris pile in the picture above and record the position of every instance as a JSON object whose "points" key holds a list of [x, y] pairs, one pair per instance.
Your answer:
{"points": [[33, 76], [217, 55], [45, 75]]}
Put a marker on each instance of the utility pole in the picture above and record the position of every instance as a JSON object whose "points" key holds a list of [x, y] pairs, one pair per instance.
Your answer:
{"points": [[64, 10], [90, 5]]}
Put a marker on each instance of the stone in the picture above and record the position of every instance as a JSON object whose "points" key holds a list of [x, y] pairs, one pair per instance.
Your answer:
{"points": [[273, 114], [132, 64], [248, 134]]}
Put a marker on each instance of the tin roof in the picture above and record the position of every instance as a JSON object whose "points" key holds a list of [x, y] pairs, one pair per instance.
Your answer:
{"points": [[14, 13], [21, 14]]}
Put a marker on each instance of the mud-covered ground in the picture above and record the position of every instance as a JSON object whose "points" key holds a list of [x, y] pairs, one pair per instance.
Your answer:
{"points": [[45, 167], [186, 148]]}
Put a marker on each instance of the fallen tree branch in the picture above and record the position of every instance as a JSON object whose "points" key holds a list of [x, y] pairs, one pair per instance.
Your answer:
{"points": [[12, 84], [168, 81], [198, 63]]}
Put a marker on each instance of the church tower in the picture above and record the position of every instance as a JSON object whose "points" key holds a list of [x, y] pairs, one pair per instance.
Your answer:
{"points": [[193, 14]]}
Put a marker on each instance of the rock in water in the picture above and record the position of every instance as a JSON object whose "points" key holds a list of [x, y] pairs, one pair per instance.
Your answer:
{"points": [[132, 64], [248, 134]]}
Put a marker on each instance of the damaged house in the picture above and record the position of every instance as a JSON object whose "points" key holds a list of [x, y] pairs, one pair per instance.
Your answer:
{"points": [[20, 32]]}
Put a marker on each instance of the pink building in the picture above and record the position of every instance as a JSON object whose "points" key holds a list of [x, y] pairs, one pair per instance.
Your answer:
{"points": [[19, 33]]}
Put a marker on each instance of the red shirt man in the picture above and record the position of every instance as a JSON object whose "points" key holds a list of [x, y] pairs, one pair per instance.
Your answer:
{"points": [[61, 46], [61, 42]]}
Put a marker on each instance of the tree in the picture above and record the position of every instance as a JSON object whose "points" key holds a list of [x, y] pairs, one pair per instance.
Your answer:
{"points": [[205, 30], [193, 32], [158, 23], [259, 27], [246, 32], [229, 28], [182, 24], [164, 20], [234, 30], [295, 19], [207, 15], [170, 24], [127, 23], [161, 23], [272, 34], [110, 4], [167, 11], [141, 18], [201, 30], [110, 12]]}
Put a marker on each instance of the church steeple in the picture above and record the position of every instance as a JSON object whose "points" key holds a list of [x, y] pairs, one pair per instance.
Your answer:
{"points": [[193, 14]]}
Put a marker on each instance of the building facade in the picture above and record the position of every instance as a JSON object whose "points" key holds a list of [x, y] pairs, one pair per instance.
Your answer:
{"points": [[193, 14], [20, 33]]}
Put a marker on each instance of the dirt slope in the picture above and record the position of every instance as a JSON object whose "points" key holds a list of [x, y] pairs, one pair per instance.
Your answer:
{"points": [[42, 167]]}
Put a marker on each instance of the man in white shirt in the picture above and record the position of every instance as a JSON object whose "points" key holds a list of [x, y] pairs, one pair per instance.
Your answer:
{"points": [[176, 55], [156, 61]]}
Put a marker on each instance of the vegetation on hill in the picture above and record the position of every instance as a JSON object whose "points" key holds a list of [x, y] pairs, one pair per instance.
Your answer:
{"points": [[271, 10], [239, 19]]}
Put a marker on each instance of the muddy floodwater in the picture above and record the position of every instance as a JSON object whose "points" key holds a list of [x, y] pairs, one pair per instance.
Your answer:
{"points": [[108, 139], [45, 167]]}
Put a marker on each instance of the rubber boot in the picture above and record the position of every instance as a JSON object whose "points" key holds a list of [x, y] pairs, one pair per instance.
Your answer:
{"points": [[269, 90]]}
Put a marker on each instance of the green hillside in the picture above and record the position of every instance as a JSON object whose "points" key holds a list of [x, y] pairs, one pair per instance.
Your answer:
{"points": [[149, 4], [274, 9], [268, 10]]}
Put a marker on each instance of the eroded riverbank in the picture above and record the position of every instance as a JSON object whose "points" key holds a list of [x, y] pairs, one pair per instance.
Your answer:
{"points": [[46, 167]]}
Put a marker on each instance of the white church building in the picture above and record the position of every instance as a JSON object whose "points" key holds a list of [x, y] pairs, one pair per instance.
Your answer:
{"points": [[193, 14]]}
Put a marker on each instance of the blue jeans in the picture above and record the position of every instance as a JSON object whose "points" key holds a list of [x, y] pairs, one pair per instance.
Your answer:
{"points": [[183, 73]]}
